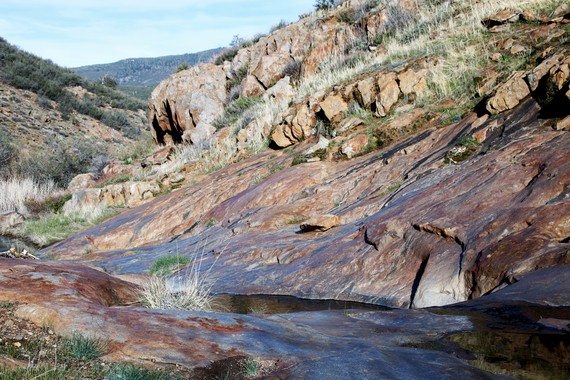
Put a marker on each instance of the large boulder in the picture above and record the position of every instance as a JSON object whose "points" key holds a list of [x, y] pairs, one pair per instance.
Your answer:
{"points": [[183, 107], [509, 94]]}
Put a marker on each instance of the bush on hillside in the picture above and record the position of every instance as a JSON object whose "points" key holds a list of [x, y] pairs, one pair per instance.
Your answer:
{"points": [[59, 165], [6, 152], [293, 70], [278, 26], [327, 4]]}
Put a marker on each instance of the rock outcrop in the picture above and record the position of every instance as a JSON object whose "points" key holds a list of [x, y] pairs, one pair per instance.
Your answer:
{"points": [[184, 107]]}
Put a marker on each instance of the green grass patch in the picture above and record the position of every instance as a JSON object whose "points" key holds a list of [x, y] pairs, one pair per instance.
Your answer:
{"points": [[6, 304], [115, 180], [165, 265], [392, 188], [137, 372], [83, 347], [51, 228], [250, 367], [234, 110]]}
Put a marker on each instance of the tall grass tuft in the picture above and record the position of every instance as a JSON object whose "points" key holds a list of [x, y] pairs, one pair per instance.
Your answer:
{"points": [[191, 290], [14, 192]]}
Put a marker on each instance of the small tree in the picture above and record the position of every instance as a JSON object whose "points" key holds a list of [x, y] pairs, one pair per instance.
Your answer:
{"points": [[109, 81], [182, 67], [236, 41], [324, 4]]}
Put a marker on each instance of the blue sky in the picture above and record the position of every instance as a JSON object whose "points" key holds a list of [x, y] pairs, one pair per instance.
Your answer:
{"points": [[81, 32]]}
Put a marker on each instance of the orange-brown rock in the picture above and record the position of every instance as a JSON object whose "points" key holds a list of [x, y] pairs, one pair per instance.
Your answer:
{"points": [[333, 106], [389, 92], [183, 107], [354, 145], [502, 17], [320, 223], [282, 91], [250, 86], [413, 81], [269, 69], [563, 125], [128, 194], [366, 92], [280, 138], [509, 94], [159, 157], [551, 63]]}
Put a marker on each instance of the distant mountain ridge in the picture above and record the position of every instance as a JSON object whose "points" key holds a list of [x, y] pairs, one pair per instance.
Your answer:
{"points": [[144, 72]]}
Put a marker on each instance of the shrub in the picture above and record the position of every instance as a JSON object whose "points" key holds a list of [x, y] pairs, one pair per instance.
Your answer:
{"points": [[182, 294], [324, 4], [182, 67], [43, 102], [294, 70], [109, 81], [234, 84], [227, 54], [6, 152], [61, 164], [166, 264], [278, 26], [189, 291], [50, 204], [347, 16], [98, 163]]}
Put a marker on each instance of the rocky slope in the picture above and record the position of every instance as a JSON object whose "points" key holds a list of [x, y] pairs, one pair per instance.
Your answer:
{"points": [[372, 189], [443, 213]]}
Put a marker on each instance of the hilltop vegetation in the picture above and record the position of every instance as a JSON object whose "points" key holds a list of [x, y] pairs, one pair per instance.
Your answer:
{"points": [[139, 76]]}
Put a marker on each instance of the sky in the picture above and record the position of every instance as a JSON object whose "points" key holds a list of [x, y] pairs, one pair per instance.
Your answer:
{"points": [[76, 33]]}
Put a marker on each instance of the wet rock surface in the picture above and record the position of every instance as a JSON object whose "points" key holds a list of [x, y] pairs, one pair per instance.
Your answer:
{"points": [[334, 344]]}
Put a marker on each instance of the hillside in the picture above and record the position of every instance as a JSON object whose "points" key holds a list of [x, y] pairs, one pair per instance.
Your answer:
{"points": [[404, 162], [48, 112], [138, 74]]}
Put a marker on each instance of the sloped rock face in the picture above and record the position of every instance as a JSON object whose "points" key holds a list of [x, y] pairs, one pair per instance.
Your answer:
{"points": [[415, 232]]}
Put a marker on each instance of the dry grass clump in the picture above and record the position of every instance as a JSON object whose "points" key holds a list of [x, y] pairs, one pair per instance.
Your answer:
{"points": [[190, 290], [14, 192]]}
